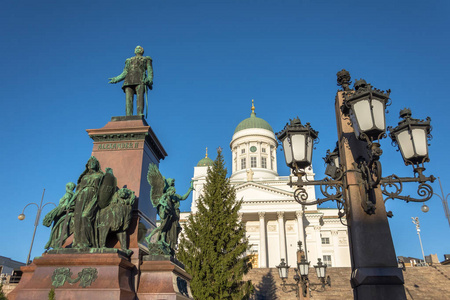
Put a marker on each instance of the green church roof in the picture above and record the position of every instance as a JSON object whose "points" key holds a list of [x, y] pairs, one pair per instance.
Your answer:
{"points": [[253, 122], [206, 161]]}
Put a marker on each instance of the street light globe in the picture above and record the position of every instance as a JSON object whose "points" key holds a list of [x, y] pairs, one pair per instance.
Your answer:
{"points": [[21, 217], [425, 208]]}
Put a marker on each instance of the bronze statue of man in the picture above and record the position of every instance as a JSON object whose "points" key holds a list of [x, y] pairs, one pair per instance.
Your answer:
{"points": [[138, 75]]}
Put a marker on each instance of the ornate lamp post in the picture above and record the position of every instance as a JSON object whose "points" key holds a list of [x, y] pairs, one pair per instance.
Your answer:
{"points": [[355, 179], [301, 277], [36, 221]]}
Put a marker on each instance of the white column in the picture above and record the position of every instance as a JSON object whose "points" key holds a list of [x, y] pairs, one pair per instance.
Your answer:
{"points": [[247, 155], [262, 241], [300, 229], [318, 241], [335, 241], [275, 167], [234, 160], [282, 235], [271, 163]]}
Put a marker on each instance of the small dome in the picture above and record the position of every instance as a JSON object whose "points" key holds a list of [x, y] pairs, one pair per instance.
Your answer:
{"points": [[206, 161], [253, 122]]}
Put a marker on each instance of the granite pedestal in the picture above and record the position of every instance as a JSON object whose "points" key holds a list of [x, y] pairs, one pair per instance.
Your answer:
{"points": [[113, 277], [163, 278]]}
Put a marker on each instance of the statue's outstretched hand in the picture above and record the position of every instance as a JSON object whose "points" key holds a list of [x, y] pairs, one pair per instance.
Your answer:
{"points": [[112, 80], [47, 220], [192, 185], [148, 83]]}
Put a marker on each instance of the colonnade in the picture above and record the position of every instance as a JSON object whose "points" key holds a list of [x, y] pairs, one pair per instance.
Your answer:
{"points": [[262, 253]]}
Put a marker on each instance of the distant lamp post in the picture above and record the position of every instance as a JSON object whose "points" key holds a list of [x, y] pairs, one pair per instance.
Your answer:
{"points": [[301, 277], [416, 222], [21, 217], [354, 179], [321, 271], [444, 198], [283, 270]]}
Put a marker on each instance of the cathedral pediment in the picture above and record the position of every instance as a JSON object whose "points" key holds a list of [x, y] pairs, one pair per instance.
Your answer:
{"points": [[252, 191]]}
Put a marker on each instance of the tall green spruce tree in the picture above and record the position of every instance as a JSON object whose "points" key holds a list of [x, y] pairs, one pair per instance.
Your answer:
{"points": [[213, 245]]}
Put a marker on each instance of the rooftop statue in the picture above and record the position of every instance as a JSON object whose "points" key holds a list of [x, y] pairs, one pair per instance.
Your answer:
{"points": [[138, 76], [164, 198]]}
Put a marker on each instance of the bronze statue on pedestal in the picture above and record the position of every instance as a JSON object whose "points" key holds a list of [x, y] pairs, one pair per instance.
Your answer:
{"points": [[138, 76]]}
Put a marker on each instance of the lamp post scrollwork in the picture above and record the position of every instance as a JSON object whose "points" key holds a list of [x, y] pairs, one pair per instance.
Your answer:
{"points": [[365, 108]]}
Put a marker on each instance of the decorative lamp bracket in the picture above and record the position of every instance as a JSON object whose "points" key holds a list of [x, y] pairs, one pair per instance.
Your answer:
{"points": [[392, 186]]}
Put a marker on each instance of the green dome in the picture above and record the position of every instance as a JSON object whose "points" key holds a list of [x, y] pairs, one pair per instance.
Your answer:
{"points": [[253, 122], [205, 162]]}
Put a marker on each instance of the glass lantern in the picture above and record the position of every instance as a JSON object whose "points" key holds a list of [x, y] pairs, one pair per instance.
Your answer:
{"points": [[298, 142], [321, 269], [333, 162], [366, 108], [303, 266], [283, 269], [411, 136]]}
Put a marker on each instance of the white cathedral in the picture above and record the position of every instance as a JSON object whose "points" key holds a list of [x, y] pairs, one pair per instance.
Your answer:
{"points": [[274, 221]]}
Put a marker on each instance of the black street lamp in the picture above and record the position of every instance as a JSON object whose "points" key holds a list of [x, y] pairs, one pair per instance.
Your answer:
{"points": [[301, 277], [355, 179]]}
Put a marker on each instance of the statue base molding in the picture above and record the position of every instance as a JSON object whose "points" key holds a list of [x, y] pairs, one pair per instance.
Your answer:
{"points": [[77, 276], [163, 278]]}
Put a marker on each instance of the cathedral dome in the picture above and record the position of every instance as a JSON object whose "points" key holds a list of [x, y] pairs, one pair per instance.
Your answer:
{"points": [[253, 122], [253, 148], [206, 161]]}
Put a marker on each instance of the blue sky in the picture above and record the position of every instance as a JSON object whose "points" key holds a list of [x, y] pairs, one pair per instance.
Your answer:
{"points": [[210, 59]]}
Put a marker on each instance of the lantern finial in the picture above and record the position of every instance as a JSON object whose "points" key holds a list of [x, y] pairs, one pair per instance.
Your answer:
{"points": [[343, 79], [405, 113]]}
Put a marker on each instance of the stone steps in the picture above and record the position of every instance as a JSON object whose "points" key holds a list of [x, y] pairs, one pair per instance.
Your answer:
{"points": [[420, 283]]}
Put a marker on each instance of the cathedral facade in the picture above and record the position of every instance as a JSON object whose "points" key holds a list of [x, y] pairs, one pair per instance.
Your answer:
{"points": [[274, 221]]}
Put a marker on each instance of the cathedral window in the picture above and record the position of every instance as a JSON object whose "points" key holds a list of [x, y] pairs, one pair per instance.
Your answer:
{"points": [[263, 150], [327, 260], [253, 162], [242, 151], [243, 163], [263, 162], [325, 241]]}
